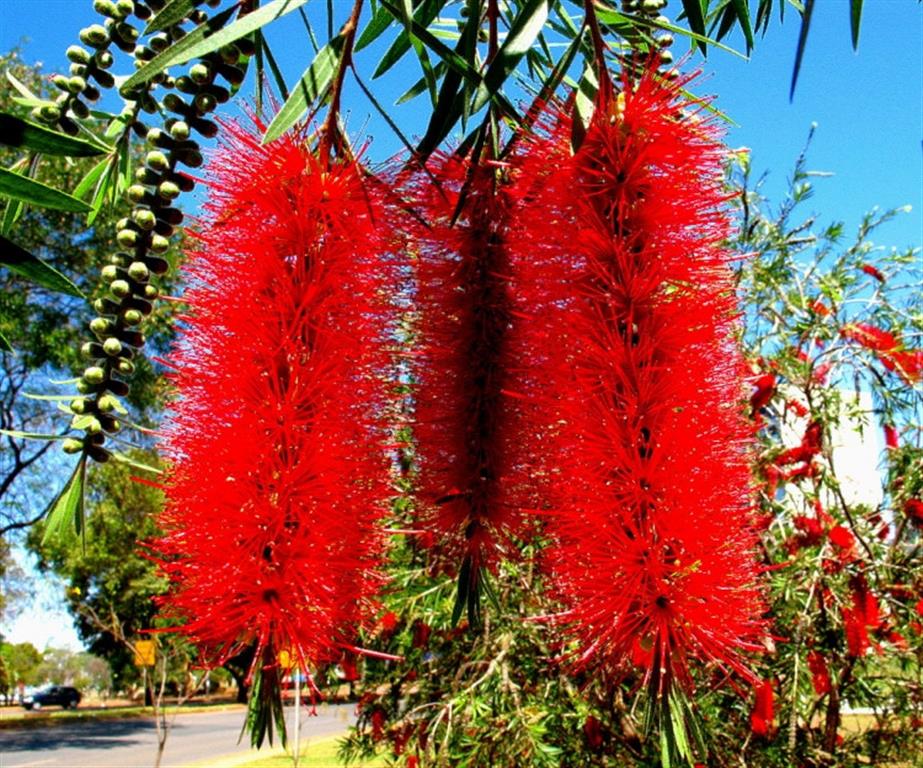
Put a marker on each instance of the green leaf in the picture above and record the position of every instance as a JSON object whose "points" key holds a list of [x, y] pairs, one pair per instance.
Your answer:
{"points": [[29, 435], [700, 39], [802, 42], [20, 262], [30, 191], [522, 34], [855, 20], [124, 459], [16, 132], [381, 20], [204, 34], [92, 176], [313, 83], [66, 511], [5, 343], [172, 13], [423, 17], [696, 18], [742, 10]]}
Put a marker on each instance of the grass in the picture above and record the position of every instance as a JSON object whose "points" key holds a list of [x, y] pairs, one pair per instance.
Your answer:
{"points": [[317, 754], [16, 717]]}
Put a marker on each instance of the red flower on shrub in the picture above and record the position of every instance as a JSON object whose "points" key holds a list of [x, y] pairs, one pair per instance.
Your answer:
{"points": [[913, 508], [873, 271], [619, 266], [278, 467], [761, 719], [907, 364], [820, 674], [474, 438]]}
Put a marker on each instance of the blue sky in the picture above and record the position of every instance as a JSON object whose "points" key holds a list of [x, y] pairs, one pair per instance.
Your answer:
{"points": [[868, 107]]}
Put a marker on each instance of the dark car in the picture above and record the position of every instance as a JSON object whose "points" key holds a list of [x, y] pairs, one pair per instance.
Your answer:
{"points": [[61, 695]]}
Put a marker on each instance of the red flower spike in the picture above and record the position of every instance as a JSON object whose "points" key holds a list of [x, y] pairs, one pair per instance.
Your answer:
{"points": [[906, 363], [873, 272], [892, 437], [618, 264], [473, 437], [278, 469], [820, 674], [761, 719], [913, 508]]}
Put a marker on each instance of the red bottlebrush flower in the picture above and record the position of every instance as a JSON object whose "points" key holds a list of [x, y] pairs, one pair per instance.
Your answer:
{"points": [[798, 407], [907, 364], [819, 308], [811, 530], [857, 636], [842, 538], [810, 446], [473, 441], [619, 265], [765, 388], [820, 674], [892, 437], [278, 469], [761, 719], [593, 732], [421, 634], [913, 508], [378, 724], [873, 272]]}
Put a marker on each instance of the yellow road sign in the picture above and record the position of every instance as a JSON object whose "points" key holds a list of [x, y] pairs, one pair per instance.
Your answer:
{"points": [[145, 653]]}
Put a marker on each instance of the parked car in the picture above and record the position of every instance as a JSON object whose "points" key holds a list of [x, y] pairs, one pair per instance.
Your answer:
{"points": [[60, 695]]}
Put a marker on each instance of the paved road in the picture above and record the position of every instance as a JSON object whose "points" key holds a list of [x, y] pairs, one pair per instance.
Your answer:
{"points": [[133, 743]]}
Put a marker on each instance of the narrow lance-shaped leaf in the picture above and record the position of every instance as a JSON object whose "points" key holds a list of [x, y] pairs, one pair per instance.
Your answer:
{"points": [[20, 262], [308, 89], [28, 190], [16, 132], [696, 18], [802, 42], [65, 513], [172, 13], [742, 10], [855, 20], [424, 16], [522, 34]]}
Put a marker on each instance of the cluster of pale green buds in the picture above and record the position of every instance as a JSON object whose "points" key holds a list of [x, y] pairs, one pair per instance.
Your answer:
{"points": [[653, 10], [144, 237]]}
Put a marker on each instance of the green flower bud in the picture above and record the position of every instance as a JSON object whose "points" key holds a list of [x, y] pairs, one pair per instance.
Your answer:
{"points": [[125, 7], [127, 238], [120, 288], [137, 193], [205, 103], [138, 271], [159, 244], [150, 292], [144, 218], [109, 272], [71, 445], [98, 454], [94, 35], [146, 176], [50, 113], [104, 59], [76, 84], [126, 367], [93, 426], [123, 223], [191, 157], [107, 403], [127, 32], [78, 405], [78, 55], [77, 69], [112, 346], [230, 53], [61, 81], [105, 8], [131, 317], [87, 349], [112, 425], [200, 73], [180, 130], [100, 325], [168, 190], [94, 375], [82, 387], [102, 77], [91, 93], [157, 161], [666, 57], [118, 259]]}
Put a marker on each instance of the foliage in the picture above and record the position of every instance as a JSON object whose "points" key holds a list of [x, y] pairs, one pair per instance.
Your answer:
{"points": [[502, 696], [22, 662], [110, 587]]}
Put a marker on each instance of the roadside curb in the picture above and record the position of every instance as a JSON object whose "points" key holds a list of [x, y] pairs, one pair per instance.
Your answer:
{"points": [[19, 722]]}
